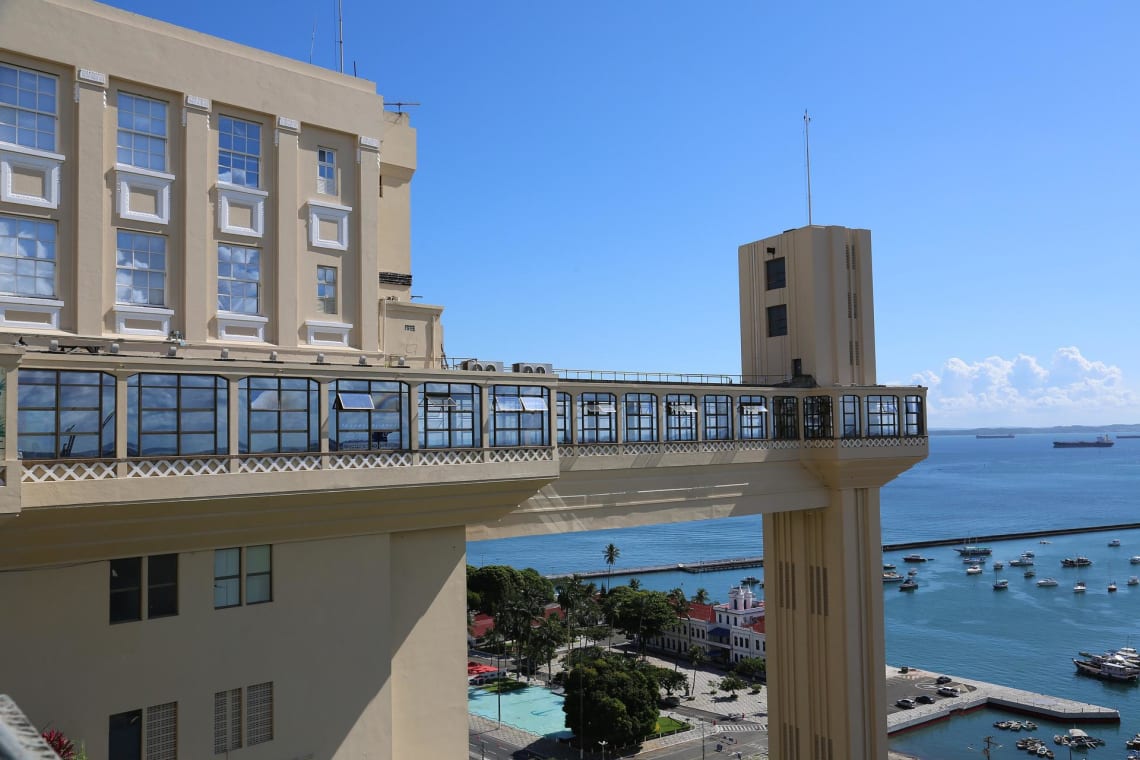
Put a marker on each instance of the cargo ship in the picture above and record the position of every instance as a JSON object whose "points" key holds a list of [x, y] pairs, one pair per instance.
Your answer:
{"points": [[994, 435], [1101, 442]]}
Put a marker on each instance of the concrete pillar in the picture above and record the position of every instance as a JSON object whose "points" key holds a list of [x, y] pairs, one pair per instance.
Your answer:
{"points": [[367, 243], [199, 253], [826, 665], [90, 212], [287, 270]]}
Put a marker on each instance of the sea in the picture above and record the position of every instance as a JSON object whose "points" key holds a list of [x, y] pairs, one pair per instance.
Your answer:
{"points": [[1024, 637]]}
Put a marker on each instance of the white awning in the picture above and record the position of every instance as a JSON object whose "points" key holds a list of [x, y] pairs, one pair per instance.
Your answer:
{"points": [[533, 403], [753, 410], [601, 407], [354, 402], [508, 404], [679, 409]]}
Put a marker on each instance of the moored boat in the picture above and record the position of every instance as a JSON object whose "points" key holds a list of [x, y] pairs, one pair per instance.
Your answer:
{"points": [[973, 550], [910, 584], [892, 577], [1030, 573], [1133, 580], [1046, 582], [1001, 585], [1110, 668], [1079, 587], [999, 566], [1078, 561], [1114, 542], [1111, 587], [974, 570], [915, 558]]}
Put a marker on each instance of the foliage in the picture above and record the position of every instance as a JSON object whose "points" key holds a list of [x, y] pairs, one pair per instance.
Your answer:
{"points": [[702, 596], [59, 743], [644, 614], [504, 685], [732, 684], [752, 668], [634, 584], [611, 697], [516, 598], [667, 725], [671, 680], [611, 554], [544, 640], [697, 656]]}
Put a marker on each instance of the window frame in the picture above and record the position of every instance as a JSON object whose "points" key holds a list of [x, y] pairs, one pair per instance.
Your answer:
{"points": [[103, 413], [133, 721], [252, 418], [166, 583], [914, 418], [147, 136], [597, 417], [850, 418], [775, 273], [376, 424], [454, 419], [562, 405], [777, 319], [882, 415], [248, 573], [38, 115], [785, 418], [148, 403], [147, 271], [716, 420], [44, 268], [228, 578], [255, 264], [519, 427], [753, 426], [117, 569], [328, 304], [326, 170], [227, 128], [680, 422], [818, 418], [641, 409]]}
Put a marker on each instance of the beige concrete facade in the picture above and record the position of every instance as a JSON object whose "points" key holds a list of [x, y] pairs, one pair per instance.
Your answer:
{"points": [[154, 409]]}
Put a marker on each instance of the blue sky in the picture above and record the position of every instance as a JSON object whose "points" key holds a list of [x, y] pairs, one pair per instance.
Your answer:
{"points": [[587, 171]]}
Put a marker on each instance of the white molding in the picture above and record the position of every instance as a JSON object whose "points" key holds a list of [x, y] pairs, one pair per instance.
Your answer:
{"points": [[314, 327], [198, 102], [370, 142], [45, 163], [334, 212], [93, 77], [156, 314], [284, 122], [245, 196], [48, 306], [229, 319], [127, 177]]}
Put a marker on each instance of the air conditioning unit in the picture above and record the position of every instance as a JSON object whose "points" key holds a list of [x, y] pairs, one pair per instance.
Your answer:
{"points": [[532, 368], [476, 365]]}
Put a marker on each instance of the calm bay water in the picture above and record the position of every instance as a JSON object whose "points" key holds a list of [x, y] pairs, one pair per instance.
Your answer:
{"points": [[1024, 637]]}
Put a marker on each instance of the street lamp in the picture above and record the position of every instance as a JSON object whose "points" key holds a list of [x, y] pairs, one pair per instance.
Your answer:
{"points": [[603, 744]]}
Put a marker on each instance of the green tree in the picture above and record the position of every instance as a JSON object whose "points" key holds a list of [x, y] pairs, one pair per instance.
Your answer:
{"points": [[643, 614], [611, 554], [683, 608], [697, 656], [671, 680], [732, 684], [752, 668], [701, 597], [543, 642], [634, 583], [610, 697], [515, 598]]}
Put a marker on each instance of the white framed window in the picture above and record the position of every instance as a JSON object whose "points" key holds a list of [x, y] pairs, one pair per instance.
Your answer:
{"points": [[239, 279], [28, 107], [27, 257], [326, 171], [140, 274], [326, 290], [239, 152], [141, 140]]}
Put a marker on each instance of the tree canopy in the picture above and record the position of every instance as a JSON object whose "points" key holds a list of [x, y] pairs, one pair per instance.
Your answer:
{"points": [[611, 696], [644, 614]]}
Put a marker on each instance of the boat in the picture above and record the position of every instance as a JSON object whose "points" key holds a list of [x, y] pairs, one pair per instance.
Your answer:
{"points": [[999, 566], [1077, 561], [1047, 582], [994, 435], [1030, 573], [1021, 561], [912, 572], [1133, 580], [973, 550], [915, 558], [974, 560], [974, 570], [1133, 743], [910, 584], [888, 566], [1101, 442], [892, 577], [1030, 555], [1079, 587], [1114, 542], [1110, 668], [1001, 585], [1135, 559], [1111, 587], [751, 580]]}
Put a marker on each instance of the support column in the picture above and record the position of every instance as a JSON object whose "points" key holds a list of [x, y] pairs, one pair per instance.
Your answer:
{"points": [[90, 212], [368, 244], [288, 255], [199, 253], [826, 662]]}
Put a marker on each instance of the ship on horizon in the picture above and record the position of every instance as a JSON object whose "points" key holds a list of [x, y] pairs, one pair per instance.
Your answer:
{"points": [[1101, 442], [994, 435]]}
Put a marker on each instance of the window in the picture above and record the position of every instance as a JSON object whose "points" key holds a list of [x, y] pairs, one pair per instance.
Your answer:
{"points": [[162, 585], [258, 573], [239, 152], [640, 416], [681, 417], [326, 171], [368, 414], [126, 590], [27, 257], [142, 132], [521, 416], [597, 418], [882, 416], [777, 320], [259, 711], [817, 417], [177, 415], [28, 108], [914, 422], [718, 418], [227, 721], [239, 279], [277, 414], [774, 273], [785, 423], [125, 734], [753, 418], [563, 418], [449, 415], [66, 414], [849, 412], [326, 290], [140, 277]]}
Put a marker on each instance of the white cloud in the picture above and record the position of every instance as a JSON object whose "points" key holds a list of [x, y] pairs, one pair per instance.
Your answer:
{"points": [[1068, 390]]}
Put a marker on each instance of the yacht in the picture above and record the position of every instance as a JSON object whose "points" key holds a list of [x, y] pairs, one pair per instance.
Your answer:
{"points": [[974, 570], [1114, 542], [1030, 573], [1047, 582], [1135, 559], [1021, 561], [999, 566], [910, 584], [915, 558], [912, 572], [1111, 586], [1001, 585], [1079, 586], [888, 566], [892, 577], [1133, 580], [1076, 562]]}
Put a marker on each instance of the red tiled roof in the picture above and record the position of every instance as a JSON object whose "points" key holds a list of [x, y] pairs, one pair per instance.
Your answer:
{"points": [[482, 625], [702, 612], [758, 626]]}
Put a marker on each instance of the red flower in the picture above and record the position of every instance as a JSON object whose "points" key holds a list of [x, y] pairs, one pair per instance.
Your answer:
{"points": [[60, 743]]}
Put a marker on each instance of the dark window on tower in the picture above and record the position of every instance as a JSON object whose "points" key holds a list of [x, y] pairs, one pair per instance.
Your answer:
{"points": [[162, 585], [777, 320], [126, 589], [124, 735], [774, 273]]}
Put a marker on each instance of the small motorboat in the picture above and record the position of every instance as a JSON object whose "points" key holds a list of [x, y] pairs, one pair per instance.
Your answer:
{"points": [[1079, 587], [999, 566], [974, 570], [1111, 587], [912, 572], [1001, 585], [892, 577], [1135, 560], [1047, 582], [910, 584], [915, 558], [1030, 555], [1133, 580], [1114, 542], [888, 566], [1030, 573]]}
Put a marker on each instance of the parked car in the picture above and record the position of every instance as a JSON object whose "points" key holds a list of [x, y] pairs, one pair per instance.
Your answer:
{"points": [[924, 699], [943, 679], [906, 703], [947, 691]]}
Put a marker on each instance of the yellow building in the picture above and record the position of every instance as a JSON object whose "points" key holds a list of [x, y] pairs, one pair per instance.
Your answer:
{"points": [[239, 475]]}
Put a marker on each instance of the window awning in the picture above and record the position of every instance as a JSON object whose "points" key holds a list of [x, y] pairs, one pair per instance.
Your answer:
{"points": [[753, 410], [679, 409], [508, 404], [533, 403], [601, 407], [354, 402], [440, 402]]}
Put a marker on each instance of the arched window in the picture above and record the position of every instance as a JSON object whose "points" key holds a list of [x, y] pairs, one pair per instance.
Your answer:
{"points": [[785, 418], [817, 418], [450, 416], [849, 412], [915, 421], [882, 416], [681, 417], [521, 415], [173, 415], [277, 414], [368, 415], [640, 411], [597, 418], [65, 414]]}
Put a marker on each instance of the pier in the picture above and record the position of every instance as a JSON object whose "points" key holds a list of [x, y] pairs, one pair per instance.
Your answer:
{"points": [[980, 539], [978, 694]]}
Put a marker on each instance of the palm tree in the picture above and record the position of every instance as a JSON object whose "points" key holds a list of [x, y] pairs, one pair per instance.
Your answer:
{"points": [[611, 553], [681, 605], [634, 584], [697, 656], [701, 597]]}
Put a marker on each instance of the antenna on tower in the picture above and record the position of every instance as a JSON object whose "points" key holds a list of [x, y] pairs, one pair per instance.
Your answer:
{"points": [[340, 34], [313, 41], [807, 157]]}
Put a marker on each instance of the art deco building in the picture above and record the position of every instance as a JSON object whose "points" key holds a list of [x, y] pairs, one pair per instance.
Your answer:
{"points": [[239, 475]]}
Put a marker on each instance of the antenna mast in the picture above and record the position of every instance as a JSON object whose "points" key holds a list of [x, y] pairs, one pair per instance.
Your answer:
{"points": [[807, 157], [340, 34]]}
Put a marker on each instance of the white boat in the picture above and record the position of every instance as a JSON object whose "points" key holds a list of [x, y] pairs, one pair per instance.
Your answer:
{"points": [[1133, 580], [1001, 585], [1135, 559], [1047, 582], [1079, 586], [974, 570], [999, 566], [1111, 586], [892, 577], [1114, 542]]}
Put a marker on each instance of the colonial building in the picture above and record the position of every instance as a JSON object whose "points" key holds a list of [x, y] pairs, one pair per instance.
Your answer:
{"points": [[724, 633], [239, 475]]}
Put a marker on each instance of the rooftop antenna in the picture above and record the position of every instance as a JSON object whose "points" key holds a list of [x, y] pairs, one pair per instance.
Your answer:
{"points": [[340, 34], [399, 105], [807, 157], [313, 41]]}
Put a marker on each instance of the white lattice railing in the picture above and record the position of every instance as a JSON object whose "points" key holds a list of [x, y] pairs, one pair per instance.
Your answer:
{"points": [[872, 443], [520, 455], [280, 463], [819, 443], [157, 468], [450, 456], [368, 460], [58, 471]]}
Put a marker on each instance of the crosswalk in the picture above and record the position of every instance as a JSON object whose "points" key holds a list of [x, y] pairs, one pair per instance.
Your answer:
{"points": [[742, 727]]}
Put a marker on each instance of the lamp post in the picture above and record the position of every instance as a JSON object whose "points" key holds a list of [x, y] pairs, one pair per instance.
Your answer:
{"points": [[603, 744]]}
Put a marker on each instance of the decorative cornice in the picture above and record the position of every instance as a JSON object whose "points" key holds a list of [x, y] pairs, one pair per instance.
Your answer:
{"points": [[197, 102], [370, 142], [292, 125], [91, 76]]}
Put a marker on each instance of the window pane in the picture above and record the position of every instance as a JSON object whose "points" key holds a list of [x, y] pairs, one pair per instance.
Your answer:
{"points": [[257, 559], [126, 589], [124, 736], [162, 585]]}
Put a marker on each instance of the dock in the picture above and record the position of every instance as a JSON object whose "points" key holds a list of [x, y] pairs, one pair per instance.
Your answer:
{"points": [[978, 694]]}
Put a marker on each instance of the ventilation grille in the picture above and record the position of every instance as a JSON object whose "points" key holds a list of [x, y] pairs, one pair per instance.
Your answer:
{"points": [[395, 278], [259, 713], [162, 732]]}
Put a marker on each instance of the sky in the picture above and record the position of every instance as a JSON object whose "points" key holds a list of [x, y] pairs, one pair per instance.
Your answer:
{"points": [[588, 170]]}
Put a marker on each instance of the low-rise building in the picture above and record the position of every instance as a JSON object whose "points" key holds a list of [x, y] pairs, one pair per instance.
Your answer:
{"points": [[726, 633]]}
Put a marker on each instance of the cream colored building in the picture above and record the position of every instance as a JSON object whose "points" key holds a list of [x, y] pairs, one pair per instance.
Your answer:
{"points": [[239, 475]]}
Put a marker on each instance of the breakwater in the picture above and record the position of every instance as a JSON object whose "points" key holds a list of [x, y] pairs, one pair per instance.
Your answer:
{"points": [[979, 539], [707, 566]]}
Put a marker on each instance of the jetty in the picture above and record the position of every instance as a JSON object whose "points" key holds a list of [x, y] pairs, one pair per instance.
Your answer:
{"points": [[982, 539], [978, 694]]}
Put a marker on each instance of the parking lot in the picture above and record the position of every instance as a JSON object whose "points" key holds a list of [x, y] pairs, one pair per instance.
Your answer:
{"points": [[914, 684]]}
